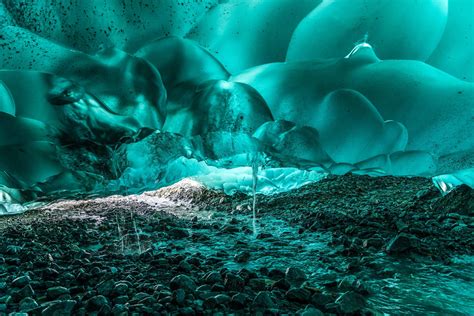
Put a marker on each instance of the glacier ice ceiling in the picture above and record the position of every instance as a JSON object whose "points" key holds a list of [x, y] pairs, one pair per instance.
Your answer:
{"points": [[119, 96]]}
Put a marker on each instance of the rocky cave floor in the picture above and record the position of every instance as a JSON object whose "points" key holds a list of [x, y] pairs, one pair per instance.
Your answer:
{"points": [[345, 245]]}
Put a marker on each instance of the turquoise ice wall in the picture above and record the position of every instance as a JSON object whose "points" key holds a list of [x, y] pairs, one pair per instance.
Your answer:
{"points": [[100, 96]]}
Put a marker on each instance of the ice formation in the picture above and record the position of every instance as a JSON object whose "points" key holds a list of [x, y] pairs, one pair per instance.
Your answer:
{"points": [[120, 97]]}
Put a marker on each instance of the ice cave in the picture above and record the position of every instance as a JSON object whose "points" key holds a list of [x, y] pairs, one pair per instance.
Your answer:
{"points": [[236, 157]]}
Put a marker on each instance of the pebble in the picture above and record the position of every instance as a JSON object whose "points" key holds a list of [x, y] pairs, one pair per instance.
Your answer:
{"points": [[183, 282], [399, 244], [350, 302], [58, 308], [299, 295], [57, 291], [96, 303], [21, 281], [222, 299], [28, 304], [120, 288], [295, 276], [178, 233], [263, 300], [233, 282], [309, 311]]}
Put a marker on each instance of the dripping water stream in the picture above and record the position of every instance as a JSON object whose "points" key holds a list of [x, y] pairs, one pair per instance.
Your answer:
{"points": [[254, 162]]}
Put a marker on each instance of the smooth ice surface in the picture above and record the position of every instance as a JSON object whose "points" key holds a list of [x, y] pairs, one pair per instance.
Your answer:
{"points": [[114, 97], [455, 51], [379, 20], [243, 34], [314, 92], [85, 25]]}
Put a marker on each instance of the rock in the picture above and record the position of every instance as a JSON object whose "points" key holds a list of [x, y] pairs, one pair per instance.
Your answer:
{"points": [[399, 244], [28, 304], [178, 233], [276, 274], [238, 301], [213, 277], [299, 295], [282, 284], [96, 303], [179, 296], [242, 257], [50, 274], [263, 300], [460, 200], [120, 310], [123, 299], [26, 291], [3, 308], [55, 292], [373, 242], [350, 302], [209, 303], [321, 299], [57, 308], [139, 297], [295, 276], [229, 229], [120, 289], [203, 292], [6, 299], [222, 299], [183, 282], [264, 236], [21, 281], [257, 284], [186, 311], [309, 311], [105, 288], [217, 288], [184, 266], [233, 282]]}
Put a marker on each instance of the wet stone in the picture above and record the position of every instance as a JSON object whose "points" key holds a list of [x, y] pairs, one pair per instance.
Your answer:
{"points": [[28, 304], [350, 302], [105, 288], [238, 301], [321, 299], [213, 277], [26, 291], [257, 284], [179, 296], [222, 299], [58, 308], [233, 282], [57, 291], [21, 281], [96, 303], [282, 284], [6, 299], [242, 257], [178, 233], [276, 274], [399, 244], [299, 295], [120, 310], [183, 282], [309, 311], [263, 300], [295, 275]]}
